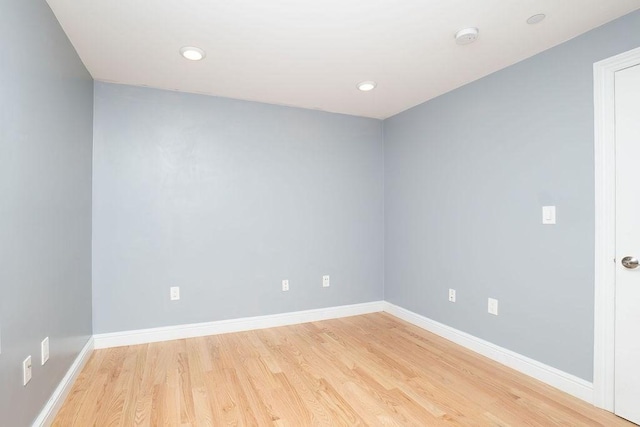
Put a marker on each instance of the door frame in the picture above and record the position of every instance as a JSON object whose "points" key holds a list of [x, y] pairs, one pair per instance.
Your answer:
{"points": [[605, 225]]}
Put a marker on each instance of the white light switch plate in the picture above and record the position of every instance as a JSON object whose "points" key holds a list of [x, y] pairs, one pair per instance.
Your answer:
{"points": [[548, 214], [174, 293]]}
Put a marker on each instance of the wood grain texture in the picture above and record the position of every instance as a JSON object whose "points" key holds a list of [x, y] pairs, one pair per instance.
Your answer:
{"points": [[364, 370]]}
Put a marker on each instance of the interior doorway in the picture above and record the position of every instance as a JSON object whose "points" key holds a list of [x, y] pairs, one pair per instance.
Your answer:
{"points": [[619, 71]]}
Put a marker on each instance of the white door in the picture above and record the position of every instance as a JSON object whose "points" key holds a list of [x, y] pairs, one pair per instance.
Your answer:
{"points": [[627, 320]]}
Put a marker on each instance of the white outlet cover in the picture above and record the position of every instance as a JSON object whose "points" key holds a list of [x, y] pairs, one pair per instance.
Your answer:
{"points": [[26, 370], [326, 281], [452, 295], [285, 285], [44, 350], [174, 293], [493, 306]]}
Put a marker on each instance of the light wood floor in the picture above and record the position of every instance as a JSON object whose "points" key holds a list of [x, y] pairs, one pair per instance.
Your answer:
{"points": [[363, 370]]}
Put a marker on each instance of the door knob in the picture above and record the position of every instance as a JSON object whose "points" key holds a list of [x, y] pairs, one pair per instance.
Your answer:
{"points": [[630, 262]]}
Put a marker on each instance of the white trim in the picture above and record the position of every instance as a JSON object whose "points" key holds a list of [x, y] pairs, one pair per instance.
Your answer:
{"points": [[568, 383], [59, 395], [605, 174], [167, 333]]}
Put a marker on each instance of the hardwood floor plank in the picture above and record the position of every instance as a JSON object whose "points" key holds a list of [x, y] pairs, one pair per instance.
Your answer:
{"points": [[364, 370], [69, 411], [341, 412], [132, 387]]}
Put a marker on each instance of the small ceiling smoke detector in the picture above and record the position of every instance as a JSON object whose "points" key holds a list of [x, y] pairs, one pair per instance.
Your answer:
{"points": [[366, 86], [192, 53], [536, 18], [467, 35]]}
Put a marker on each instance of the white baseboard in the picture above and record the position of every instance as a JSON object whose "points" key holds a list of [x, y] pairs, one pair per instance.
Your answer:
{"points": [[59, 395], [554, 377], [561, 380], [167, 333]]}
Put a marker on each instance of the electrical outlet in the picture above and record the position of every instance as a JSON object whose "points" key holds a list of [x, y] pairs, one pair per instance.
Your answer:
{"points": [[452, 295], [174, 293], [493, 306], [44, 350], [26, 370], [285, 285], [326, 281]]}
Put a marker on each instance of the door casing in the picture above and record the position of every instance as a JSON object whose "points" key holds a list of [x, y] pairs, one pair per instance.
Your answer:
{"points": [[605, 244]]}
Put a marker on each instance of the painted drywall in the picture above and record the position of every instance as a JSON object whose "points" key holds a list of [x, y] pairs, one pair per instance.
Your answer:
{"points": [[466, 176], [46, 109], [225, 199]]}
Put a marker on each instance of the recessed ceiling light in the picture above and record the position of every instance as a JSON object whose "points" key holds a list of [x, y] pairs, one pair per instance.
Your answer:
{"points": [[366, 86], [467, 35], [536, 18], [192, 53]]}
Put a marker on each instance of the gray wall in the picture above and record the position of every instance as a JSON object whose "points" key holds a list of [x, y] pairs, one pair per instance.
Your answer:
{"points": [[226, 198], [466, 175], [46, 104]]}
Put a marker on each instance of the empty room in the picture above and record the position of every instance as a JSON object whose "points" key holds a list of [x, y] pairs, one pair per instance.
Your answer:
{"points": [[319, 213]]}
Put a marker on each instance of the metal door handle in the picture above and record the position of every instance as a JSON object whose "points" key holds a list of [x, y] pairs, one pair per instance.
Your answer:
{"points": [[630, 262]]}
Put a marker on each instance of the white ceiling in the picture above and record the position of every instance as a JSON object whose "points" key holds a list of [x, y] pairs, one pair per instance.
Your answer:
{"points": [[311, 54]]}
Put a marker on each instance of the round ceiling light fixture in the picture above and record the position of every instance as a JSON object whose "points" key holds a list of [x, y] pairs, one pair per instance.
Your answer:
{"points": [[192, 53], [467, 35], [366, 86], [536, 18]]}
